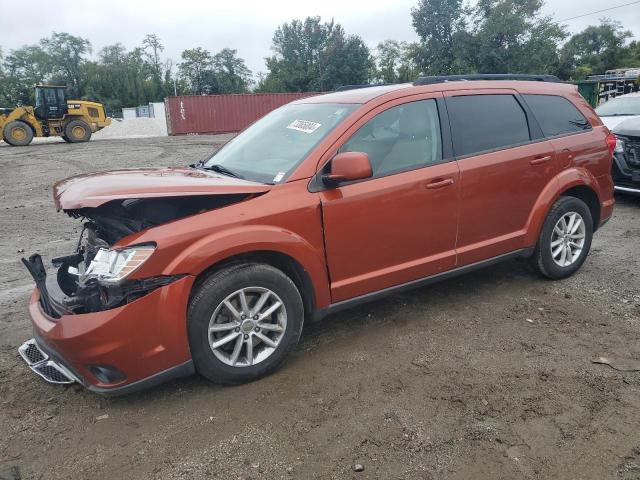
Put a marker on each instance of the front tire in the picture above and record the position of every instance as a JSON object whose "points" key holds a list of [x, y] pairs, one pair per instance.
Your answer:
{"points": [[18, 133], [243, 321], [565, 239], [77, 131]]}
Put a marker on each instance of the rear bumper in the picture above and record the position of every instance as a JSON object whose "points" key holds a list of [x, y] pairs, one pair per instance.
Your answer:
{"points": [[139, 344]]}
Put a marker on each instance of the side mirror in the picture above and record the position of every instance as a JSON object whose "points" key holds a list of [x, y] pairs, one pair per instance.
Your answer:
{"points": [[346, 167]]}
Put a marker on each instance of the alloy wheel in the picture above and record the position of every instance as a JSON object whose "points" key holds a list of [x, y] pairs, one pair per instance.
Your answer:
{"points": [[567, 239], [247, 326]]}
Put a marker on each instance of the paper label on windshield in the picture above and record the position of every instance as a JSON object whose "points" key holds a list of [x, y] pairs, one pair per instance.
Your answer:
{"points": [[278, 177], [304, 126]]}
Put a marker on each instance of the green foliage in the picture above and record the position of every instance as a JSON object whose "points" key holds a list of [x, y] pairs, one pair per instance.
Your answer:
{"points": [[118, 78], [493, 36], [511, 36], [441, 26], [314, 56], [394, 62], [496, 36], [597, 49], [223, 72], [65, 57]]}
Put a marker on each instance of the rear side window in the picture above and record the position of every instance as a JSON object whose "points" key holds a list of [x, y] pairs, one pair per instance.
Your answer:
{"points": [[556, 115], [486, 122]]}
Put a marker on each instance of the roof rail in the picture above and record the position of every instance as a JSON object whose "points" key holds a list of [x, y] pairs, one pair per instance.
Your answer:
{"points": [[342, 88], [429, 80]]}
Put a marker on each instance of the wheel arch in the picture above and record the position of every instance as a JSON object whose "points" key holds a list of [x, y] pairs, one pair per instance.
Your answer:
{"points": [[282, 261], [301, 259], [574, 182], [589, 196]]}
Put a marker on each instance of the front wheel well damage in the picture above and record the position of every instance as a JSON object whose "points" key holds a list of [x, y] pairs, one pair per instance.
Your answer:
{"points": [[283, 262], [588, 196]]}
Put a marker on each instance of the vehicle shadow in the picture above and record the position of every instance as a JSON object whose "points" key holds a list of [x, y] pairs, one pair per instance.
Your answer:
{"points": [[358, 320]]}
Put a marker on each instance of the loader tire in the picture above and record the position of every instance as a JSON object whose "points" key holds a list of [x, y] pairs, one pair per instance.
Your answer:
{"points": [[77, 131], [18, 133]]}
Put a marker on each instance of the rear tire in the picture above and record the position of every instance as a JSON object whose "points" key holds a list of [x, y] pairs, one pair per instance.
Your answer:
{"points": [[233, 344], [77, 131], [18, 133], [565, 239]]}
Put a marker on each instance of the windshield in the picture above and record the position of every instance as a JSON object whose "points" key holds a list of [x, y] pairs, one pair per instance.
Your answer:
{"points": [[270, 149], [620, 106]]}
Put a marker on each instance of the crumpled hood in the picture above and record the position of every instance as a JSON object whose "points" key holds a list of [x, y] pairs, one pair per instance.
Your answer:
{"points": [[95, 189], [628, 128], [612, 122]]}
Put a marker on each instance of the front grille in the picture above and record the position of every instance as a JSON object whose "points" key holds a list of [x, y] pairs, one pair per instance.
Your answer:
{"points": [[52, 373], [39, 362], [32, 353], [632, 151]]}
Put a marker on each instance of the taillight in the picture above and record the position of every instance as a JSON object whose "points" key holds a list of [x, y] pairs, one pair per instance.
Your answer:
{"points": [[611, 143]]}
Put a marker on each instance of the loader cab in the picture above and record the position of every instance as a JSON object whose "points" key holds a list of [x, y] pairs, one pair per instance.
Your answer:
{"points": [[51, 102]]}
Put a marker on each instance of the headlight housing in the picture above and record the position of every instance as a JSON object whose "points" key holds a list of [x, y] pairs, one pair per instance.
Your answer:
{"points": [[619, 145], [113, 266]]}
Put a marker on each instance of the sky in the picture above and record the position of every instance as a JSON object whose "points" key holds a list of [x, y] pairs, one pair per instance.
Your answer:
{"points": [[245, 25]]}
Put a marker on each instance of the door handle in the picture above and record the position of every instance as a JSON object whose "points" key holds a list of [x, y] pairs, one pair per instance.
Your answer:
{"points": [[440, 183], [540, 160]]}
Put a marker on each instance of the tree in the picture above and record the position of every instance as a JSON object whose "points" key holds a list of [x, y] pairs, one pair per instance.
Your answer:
{"points": [[232, 74], [313, 56], [631, 55], [346, 60], [25, 67], [595, 50], [440, 24], [67, 56], [196, 70], [511, 36], [394, 62], [152, 49], [5, 91]]}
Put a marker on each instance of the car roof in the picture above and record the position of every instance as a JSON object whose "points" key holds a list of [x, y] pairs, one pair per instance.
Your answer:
{"points": [[365, 95]]}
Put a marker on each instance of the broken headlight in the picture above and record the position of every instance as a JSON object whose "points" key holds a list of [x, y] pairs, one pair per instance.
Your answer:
{"points": [[113, 266]]}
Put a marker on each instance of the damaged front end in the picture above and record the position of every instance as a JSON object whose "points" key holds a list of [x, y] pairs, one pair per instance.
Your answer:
{"points": [[95, 277]]}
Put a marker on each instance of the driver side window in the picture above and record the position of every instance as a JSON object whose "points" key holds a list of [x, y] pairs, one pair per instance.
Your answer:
{"points": [[404, 137]]}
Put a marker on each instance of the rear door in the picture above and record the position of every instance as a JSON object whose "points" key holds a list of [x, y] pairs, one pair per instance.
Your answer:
{"points": [[570, 133], [400, 225], [505, 164]]}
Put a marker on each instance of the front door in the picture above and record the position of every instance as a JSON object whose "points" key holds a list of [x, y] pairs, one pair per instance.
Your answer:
{"points": [[400, 225]]}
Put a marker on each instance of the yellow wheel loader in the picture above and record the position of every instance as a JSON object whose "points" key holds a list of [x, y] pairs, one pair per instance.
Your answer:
{"points": [[52, 116]]}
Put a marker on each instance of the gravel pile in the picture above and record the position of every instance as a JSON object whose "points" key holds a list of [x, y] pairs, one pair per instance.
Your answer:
{"points": [[133, 128]]}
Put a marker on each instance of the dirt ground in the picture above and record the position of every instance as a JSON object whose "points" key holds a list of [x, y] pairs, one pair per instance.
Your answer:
{"points": [[487, 376]]}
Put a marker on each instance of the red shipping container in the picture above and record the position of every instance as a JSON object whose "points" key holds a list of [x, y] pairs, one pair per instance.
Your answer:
{"points": [[222, 113]]}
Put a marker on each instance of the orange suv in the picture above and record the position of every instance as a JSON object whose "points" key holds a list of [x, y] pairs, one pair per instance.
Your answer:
{"points": [[321, 205]]}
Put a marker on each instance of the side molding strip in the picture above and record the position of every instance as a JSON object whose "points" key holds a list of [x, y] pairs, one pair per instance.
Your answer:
{"points": [[369, 297]]}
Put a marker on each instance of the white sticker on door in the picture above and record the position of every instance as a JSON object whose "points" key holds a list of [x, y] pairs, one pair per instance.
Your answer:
{"points": [[304, 126]]}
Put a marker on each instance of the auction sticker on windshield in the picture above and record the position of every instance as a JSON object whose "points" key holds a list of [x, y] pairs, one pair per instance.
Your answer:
{"points": [[304, 126]]}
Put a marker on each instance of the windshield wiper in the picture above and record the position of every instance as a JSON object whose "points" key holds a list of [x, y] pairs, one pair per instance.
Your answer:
{"points": [[218, 168], [620, 115]]}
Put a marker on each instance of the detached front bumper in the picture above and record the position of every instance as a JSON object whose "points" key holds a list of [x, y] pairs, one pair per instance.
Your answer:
{"points": [[115, 351]]}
